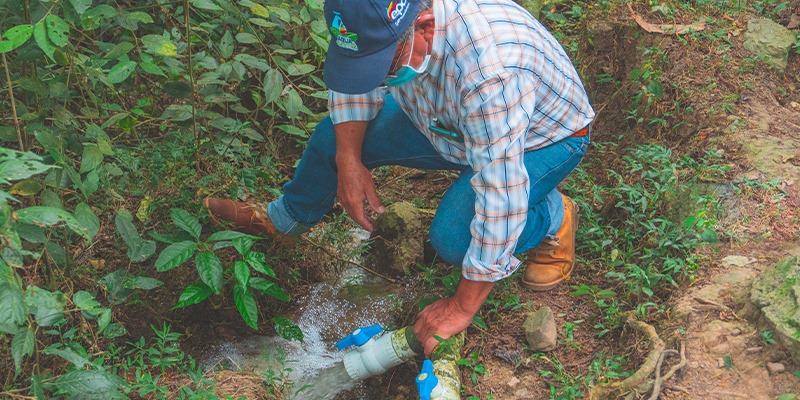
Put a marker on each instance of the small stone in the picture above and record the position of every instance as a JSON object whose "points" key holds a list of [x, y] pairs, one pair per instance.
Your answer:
{"points": [[753, 349], [721, 349], [522, 394], [739, 261], [721, 363], [513, 382], [540, 330], [736, 332], [775, 368]]}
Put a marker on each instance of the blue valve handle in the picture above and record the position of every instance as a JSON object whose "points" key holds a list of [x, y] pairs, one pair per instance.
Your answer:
{"points": [[426, 380], [359, 337]]}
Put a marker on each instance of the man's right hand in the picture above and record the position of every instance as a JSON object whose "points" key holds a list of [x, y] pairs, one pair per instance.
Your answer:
{"points": [[356, 188]]}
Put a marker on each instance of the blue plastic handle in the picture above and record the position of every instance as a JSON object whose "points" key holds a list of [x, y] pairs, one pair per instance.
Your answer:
{"points": [[426, 381], [359, 337]]}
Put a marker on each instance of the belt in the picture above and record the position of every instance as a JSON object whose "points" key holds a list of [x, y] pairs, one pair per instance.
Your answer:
{"points": [[581, 133]]}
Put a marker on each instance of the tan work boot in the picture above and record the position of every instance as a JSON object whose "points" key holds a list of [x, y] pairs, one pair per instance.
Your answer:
{"points": [[239, 216], [553, 261]]}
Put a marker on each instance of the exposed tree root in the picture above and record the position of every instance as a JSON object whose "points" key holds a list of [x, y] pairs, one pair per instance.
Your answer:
{"points": [[639, 383]]}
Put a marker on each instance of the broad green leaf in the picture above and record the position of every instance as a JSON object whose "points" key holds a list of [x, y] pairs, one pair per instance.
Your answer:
{"points": [[151, 68], [259, 10], [259, 263], [252, 61], [49, 216], [293, 104], [120, 72], [300, 69], [246, 304], [293, 130], [15, 37], [120, 284], [206, 5], [287, 329], [175, 255], [14, 170], [159, 45], [57, 349], [178, 89], [114, 330], [87, 219], [47, 307], [243, 244], [92, 157], [709, 235], [57, 30], [226, 45], [242, 273], [85, 301], [12, 304], [90, 385], [182, 219], [273, 86], [210, 270], [103, 319], [40, 34], [28, 187], [248, 38], [37, 388], [7, 275], [228, 235], [138, 249], [264, 286], [21, 346], [119, 50], [193, 294], [81, 5]]}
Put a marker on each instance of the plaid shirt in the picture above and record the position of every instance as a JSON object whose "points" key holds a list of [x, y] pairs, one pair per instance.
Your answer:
{"points": [[498, 84]]}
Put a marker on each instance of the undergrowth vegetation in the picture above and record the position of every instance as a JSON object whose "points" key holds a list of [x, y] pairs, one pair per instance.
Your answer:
{"points": [[118, 117]]}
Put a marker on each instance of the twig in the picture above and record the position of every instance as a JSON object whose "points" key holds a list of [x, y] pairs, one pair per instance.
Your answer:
{"points": [[330, 253], [13, 104], [659, 379], [712, 303], [191, 82]]}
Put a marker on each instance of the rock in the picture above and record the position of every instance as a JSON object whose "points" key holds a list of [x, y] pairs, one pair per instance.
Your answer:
{"points": [[775, 293], [739, 261], [736, 332], [769, 40], [397, 241], [513, 382], [540, 330], [522, 394], [721, 349], [721, 363], [775, 368]]}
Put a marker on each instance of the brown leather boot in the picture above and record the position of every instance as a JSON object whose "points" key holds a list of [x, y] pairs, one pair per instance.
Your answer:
{"points": [[553, 261], [239, 216]]}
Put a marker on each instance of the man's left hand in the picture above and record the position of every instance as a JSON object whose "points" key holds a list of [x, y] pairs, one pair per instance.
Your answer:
{"points": [[443, 318]]}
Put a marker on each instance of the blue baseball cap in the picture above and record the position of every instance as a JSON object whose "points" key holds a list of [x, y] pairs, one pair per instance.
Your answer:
{"points": [[364, 35]]}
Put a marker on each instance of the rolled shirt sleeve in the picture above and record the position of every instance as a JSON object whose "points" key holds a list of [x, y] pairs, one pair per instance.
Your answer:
{"points": [[355, 107]]}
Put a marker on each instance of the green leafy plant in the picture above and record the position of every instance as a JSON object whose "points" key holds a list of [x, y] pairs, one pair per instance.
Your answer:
{"points": [[210, 268]]}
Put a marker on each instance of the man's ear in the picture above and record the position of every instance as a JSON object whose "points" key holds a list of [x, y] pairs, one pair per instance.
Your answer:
{"points": [[427, 24]]}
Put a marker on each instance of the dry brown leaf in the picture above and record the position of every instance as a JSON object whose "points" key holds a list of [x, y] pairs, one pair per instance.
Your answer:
{"points": [[667, 29]]}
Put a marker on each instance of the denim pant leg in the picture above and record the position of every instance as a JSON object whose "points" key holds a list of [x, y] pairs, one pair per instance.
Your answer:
{"points": [[391, 139], [547, 167]]}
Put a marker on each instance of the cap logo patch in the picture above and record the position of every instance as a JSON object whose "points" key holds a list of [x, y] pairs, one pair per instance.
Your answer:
{"points": [[396, 11], [344, 39]]}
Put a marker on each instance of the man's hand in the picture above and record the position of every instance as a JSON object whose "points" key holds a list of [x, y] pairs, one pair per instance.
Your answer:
{"points": [[444, 318], [448, 317], [355, 187]]}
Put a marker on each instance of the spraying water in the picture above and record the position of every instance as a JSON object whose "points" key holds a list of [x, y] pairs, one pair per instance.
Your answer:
{"points": [[329, 312]]}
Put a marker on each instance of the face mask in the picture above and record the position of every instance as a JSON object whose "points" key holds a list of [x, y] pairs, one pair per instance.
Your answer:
{"points": [[406, 73]]}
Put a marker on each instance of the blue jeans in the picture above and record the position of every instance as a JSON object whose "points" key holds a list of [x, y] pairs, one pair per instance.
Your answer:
{"points": [[392, 139]]}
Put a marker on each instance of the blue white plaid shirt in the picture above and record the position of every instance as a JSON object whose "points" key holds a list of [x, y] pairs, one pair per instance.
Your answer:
{"points": [[500, 84]]}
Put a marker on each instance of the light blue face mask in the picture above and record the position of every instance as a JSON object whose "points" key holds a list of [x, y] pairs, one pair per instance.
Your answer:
{"points": [[407, 73]]}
